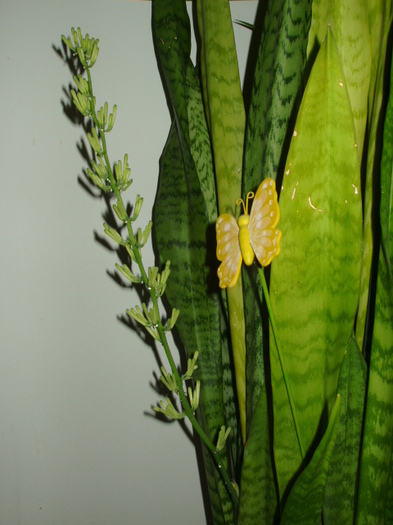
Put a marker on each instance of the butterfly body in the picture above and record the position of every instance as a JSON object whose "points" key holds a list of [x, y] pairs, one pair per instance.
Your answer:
{"points": [[244, 240], [252, 235]]}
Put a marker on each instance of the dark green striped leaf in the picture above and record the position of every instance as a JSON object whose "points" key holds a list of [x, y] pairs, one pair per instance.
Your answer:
{"points": [[380, 19], [258, 497], [340, 493], [180, 234], [226, 118], [386, 211], [304, 505], [377, 445], [277, 83], [183, 231], [377, 449], [277, 87]]}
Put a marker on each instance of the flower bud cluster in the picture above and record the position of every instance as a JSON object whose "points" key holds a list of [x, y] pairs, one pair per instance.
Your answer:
{"points": [[150, 319], [122, 174], [85, 47], [117, 180], [167, 379], [168, 409]]}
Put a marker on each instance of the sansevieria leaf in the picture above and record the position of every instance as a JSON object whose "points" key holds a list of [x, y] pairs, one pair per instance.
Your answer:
{"points": [[349, 24], [276, 92], [314, 283], [340, 491], [304, 505], [380, 22], [183, 213], [375, 485], [224, 109], [258, 496]]}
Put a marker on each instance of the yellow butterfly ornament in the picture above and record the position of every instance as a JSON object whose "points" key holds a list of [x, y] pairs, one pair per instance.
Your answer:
{"points": [[253, 234]]}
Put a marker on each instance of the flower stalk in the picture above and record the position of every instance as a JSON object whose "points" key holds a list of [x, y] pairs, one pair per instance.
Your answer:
{"points": [[117, 181]]}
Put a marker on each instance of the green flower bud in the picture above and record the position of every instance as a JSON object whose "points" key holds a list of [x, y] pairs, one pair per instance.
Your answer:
{"points": [[82, 85], [102, 116], [122, 173], [94, 53], [81, 55], [127, 273], [152, 315], [113, 234], [166, 272], [169, 410], [222, 438], [95, 142], [171, 322], [153, 332], [120, 211], [194, 396], [168, 380], [146, 233], [81, 103], [191, 366], [100, 168], [68, 43], [130, 252], [137, 207], [98, 181], [111, 119], [152, 273], [75, 36], [137, 314]]}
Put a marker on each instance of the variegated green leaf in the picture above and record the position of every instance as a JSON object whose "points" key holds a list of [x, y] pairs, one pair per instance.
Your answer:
{"points": [[348, 22], [340, 492], [377, 445], [376, 459], [180, 233], [315, 280], [226, 118], [304, 504], [223, 98], [380, 19], [276, 89], [386, 206], [183, 213], [258, 495]]}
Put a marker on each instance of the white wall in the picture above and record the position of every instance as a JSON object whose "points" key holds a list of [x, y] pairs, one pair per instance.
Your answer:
{"points": [[76, 443]]}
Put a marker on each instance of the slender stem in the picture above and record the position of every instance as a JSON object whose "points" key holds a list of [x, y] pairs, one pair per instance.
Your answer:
{"points": [[197, 427], [281, 361]]}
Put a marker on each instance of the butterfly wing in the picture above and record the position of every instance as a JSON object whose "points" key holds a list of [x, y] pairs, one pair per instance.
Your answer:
{"points": [[264, 216], [228, 250]]}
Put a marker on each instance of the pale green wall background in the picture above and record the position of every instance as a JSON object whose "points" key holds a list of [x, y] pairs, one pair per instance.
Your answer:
{"points": [[76, 443]]}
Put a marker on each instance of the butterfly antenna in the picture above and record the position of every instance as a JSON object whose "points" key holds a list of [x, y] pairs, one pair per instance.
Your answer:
{"points": [[250, 195], [241, 202]]}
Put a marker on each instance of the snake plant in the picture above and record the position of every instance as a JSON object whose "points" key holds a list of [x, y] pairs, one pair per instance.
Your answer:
{"points": [[291, 362]]}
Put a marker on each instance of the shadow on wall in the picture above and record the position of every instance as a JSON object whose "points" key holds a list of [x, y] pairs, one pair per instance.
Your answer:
{"points": [[122, 257]]}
